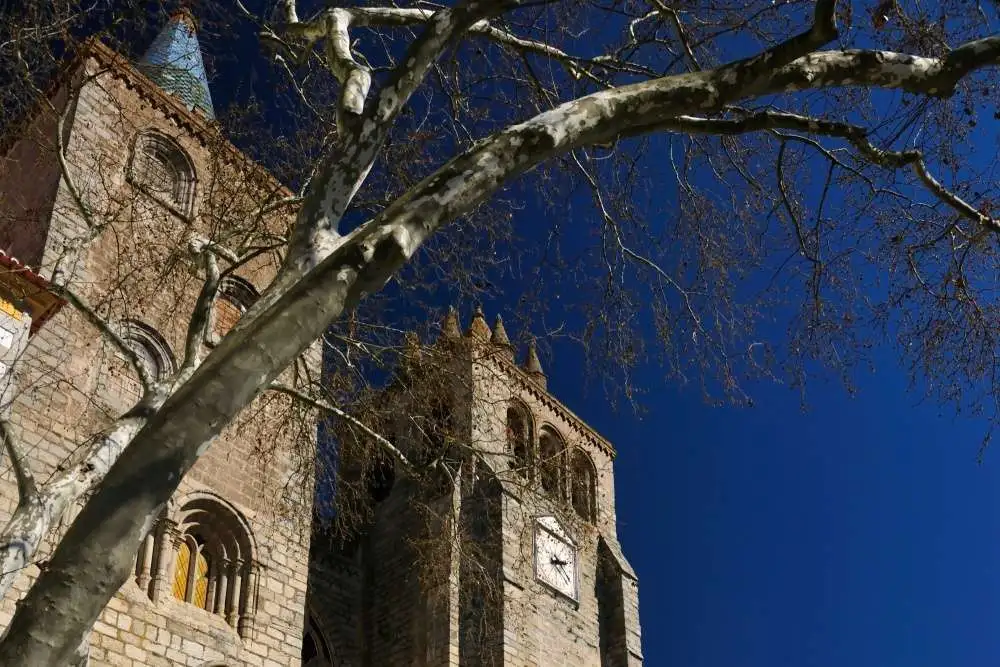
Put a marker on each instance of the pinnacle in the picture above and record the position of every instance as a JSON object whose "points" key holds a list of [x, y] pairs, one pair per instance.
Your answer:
{"points": [[499, 335], [450, 328], [533, 364], [501, 341], [411, 345], [478, 327]]}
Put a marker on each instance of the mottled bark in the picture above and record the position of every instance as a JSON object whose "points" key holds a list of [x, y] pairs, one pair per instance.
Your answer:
{"points": [[40, 511], [326, 274]]}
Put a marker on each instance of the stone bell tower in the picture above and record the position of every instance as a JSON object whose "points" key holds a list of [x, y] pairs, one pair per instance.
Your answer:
{"points": [[496, 543]]}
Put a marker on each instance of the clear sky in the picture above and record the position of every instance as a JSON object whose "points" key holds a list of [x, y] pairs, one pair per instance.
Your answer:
{"points": [[862, 532]]}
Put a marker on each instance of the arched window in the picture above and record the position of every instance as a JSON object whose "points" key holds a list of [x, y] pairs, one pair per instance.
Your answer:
{"points": [[153, 351], [119, 382], [235, 296], [214, 560], [191, 572], [162, 168], [206, 560], [519, 440], [551, 462], [315, 650], [583, 493]]}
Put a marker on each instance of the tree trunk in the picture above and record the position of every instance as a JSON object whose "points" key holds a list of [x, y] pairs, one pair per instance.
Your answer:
{"points": [[34, 518], [95, 557]]}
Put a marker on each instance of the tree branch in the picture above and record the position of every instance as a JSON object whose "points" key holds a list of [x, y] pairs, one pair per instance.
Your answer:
{"points": [[26, 488], [345, 167], [329, 407], [109, 332], [32, 520], [857, 136], [355, 79], [679, 27], [201, 316]]}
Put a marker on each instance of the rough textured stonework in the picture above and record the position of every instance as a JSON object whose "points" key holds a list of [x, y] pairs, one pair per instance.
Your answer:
{"points": [[441, 574], [481, 603], [71, 384]]}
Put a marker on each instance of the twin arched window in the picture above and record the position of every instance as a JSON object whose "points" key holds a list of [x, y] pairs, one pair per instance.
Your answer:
{"points": [[566, 474], [162, 168], [214, 560], [205, 559]]}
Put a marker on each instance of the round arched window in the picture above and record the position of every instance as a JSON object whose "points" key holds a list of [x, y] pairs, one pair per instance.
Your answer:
{"points": [[162, 168]]}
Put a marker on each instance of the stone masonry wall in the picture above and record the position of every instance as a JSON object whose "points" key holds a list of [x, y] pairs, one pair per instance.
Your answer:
{"points": [[71, 388], [461, 617], [542, 627]]}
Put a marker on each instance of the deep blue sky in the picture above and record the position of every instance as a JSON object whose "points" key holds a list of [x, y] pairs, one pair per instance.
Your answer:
{"points": [[862, 532]]}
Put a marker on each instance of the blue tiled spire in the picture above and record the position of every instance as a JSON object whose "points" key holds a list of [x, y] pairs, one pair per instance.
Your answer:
{"points": [[174, 63]]}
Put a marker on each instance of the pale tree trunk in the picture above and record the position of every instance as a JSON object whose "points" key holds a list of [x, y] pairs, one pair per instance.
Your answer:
{"points": [[41, 509], [327, 274], [35, 516]]}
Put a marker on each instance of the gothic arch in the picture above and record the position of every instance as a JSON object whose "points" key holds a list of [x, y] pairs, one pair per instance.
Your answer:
{"points": [[163, 169], [520, 437], [552, 461], [316, 650], [152, 349], [117, 381], [583, 484], [220, 512]]}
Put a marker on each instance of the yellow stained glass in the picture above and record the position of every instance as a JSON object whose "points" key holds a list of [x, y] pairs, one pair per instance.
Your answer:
{"points": [[181, 573], [9, 308], [200, 595]]}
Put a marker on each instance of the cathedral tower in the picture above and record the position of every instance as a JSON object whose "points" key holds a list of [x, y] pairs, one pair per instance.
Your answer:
{"points": [[110, 209], [485, 532], [493, 539]]}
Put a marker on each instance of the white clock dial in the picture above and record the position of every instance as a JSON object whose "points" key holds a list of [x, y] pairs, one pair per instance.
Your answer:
{"points": [[555, 561]]}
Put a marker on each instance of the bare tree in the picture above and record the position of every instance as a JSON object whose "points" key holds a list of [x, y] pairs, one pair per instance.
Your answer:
{"points": [[843, 175]]}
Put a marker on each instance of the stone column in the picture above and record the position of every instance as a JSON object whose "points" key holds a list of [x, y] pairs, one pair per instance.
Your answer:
{"points": [[166, 539], [213, 576], [249, 601], [233, 608], [222, 588], [145, 559]]}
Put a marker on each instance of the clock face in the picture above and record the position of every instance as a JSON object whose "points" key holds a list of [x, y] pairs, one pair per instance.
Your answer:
{"points": [[555, 560]]}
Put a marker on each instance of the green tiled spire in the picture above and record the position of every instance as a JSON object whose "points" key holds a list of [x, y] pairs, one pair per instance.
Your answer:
{"points": [[175, 64]]}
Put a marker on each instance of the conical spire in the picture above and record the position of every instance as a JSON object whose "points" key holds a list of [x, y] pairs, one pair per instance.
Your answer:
{"points": [[411, 347], [450, 328], [534, 365], [499, 335], [478, 327], [501, 340], [412, 355], [174, 63]]}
